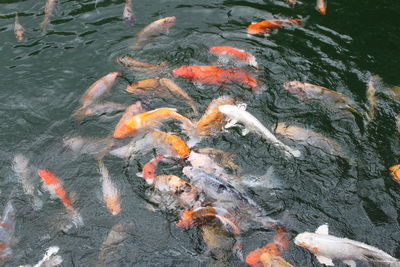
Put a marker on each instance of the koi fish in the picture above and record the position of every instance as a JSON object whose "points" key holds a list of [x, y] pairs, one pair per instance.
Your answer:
{"points": [[139, 66], [213, 120], [222, 158], [185, 194], [327, 247], [395, 172], [202, 215], [218, 242], [371, 96], [7, 229], [115, 241], [266, 26], [148, 120], [88, 145], [25, 178], [321, 6], [98, 109], [49, 259], [228, 196], [48, 10], [128, 15], [130, 111], [308, 137], [270, 251], [149, 169], [111, 195], [165, 143], [291, 3], [99, 89], [216, 76], [238, 114], [206, 163], [18, 29], [307, 91], [53, 184], [152, 30], [235, 53], [163, 87]]}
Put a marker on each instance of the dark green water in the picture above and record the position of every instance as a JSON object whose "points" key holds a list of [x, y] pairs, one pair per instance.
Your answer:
{"points": [[43, 77]]}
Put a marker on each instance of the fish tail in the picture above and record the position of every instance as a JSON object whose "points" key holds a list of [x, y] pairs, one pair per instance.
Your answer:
{"points": [[237, 248]]}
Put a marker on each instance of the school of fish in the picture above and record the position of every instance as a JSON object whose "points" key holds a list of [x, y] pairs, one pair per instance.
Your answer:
{"points": [[209, 192]]}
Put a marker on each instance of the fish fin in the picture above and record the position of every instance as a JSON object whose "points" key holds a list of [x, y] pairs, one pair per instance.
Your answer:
{"points": [[242, 106], [325, 260], [350, 263], [323, 230], [230, 123], [245, 131], [139, 174]]}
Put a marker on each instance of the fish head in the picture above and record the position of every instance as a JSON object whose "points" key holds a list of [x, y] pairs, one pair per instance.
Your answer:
{"points": [[123, 131], [306, 240], [188, 171], [295, 88], [168, 22], [186, 219], [227, 109], [184, 72], [182, 149]]}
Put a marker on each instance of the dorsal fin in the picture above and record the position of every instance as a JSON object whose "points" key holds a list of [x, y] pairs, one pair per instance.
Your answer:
{"points": [[323, 230]]}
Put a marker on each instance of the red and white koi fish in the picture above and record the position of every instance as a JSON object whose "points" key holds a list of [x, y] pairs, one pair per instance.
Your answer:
{"points": [[48, 10], [111, 195], [149, 169], [152, 30], [18, 29], [99, 89], [54, 185], [235, 53]]}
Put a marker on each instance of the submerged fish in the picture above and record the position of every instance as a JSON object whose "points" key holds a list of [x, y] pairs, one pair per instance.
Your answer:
{"points": [[165, 143], [307, 91], [49, 259], [321, 6], [238, 114], [291, 3], [222, 158], [308, 137], [7, 229], [152, 30], [395, 172], [20, 166], [327, 247], [149, 169], [114, 242], [183, 193], [128, 15], [111, 196], [98, 109], [99, 89], [213, 120], [18, 29], [139, 66], [148, 120], [235, 53], [371, 96], [266, 26], [214, 75], [53, 184], [219, 243], [48, 10]]}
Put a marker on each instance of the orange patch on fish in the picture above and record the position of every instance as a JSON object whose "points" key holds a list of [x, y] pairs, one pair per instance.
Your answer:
{"points": [[395, 171], [174, 143], [266, 26], [149, 169], [234, 52]]}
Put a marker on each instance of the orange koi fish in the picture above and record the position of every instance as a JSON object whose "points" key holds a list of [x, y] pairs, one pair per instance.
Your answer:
{"points": [[99, 89], [18, 29], [136, 65], [395, 171], [130, 111], [213, 120], [204, 215], [48, 9], [216, 76], [183, 192], [111, 195], [54, 186], [152, 30], [321, 6], [266, 26], [171, 144], [149, 169], [235, 53], [270, 250], [147, 120]]}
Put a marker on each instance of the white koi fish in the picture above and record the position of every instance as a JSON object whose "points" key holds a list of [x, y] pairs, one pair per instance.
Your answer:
{"points": [[327, 247], [239, 114]]}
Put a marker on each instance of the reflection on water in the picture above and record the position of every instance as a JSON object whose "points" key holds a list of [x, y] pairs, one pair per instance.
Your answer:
{"points": [[44, 76]]}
